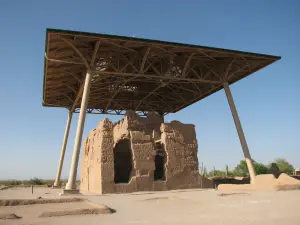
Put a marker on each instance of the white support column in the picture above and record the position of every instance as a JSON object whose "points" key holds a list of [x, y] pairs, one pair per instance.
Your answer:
{"points": [[240, 132], [63, 150], [71, 185]]}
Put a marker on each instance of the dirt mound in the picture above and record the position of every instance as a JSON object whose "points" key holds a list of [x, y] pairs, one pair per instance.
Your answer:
{"points": [[284, 179], [285, 182], [14, 202], [9, 216], [265, 182]]}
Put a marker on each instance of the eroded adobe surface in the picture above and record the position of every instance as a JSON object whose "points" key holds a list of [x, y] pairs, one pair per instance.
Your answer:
{"points": [[140, 154]]}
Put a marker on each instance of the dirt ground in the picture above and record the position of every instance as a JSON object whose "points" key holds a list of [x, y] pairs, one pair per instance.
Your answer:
{"points": [[181, 207]]}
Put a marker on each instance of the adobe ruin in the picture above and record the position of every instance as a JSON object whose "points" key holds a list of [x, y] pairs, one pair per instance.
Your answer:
{"points": [[140, 154]]}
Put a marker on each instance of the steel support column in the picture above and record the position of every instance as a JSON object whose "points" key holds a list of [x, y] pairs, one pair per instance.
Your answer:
{"points": [[63, 150], [240, 132], [71, 185]]}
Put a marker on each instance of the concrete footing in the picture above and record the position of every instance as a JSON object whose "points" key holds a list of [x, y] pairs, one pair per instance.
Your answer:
{"points": [[70, 192], [56, 187]]}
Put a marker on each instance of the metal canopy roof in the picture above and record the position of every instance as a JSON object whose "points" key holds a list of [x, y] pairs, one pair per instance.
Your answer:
{"points": [[137, 74]]}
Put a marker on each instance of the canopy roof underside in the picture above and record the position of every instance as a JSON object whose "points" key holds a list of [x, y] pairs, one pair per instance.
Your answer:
{"points": [[137, 74]]}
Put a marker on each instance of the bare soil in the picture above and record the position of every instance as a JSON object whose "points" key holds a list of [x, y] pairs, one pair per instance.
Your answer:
{"points": [[180, 207]]}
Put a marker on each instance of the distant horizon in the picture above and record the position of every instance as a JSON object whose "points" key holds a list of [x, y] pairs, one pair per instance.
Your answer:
{"points": [[78, 176]]}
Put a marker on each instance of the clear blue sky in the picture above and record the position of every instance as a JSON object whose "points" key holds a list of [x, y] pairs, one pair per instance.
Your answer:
{"points": [[268, 102]]}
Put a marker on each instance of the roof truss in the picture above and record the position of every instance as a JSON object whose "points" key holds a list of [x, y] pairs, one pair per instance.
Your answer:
{"points": [[137, 74]]}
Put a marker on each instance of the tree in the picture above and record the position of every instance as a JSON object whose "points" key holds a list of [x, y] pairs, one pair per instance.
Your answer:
{"points": [[260, 168], [242, 169], [274, 169], [284, 166]]}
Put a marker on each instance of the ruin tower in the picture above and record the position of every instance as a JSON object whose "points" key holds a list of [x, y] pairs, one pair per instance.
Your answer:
{"points": [[140, 154]]}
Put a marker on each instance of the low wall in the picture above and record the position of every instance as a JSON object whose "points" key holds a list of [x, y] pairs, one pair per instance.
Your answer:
{"points": [[230, 180], [233, 180], [296, 177]]}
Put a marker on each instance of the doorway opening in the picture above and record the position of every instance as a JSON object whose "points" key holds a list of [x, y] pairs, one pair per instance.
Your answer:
{"points": [[122, 161], [160, 160]]}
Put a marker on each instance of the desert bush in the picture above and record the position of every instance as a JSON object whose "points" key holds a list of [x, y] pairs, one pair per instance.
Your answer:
{"points": [[36, 181], [10, 182]]}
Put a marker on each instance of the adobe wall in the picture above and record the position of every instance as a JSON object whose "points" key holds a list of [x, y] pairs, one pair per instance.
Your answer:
{"points": [[179, 143], [89, 163], [97, 158], [181, 146]]}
